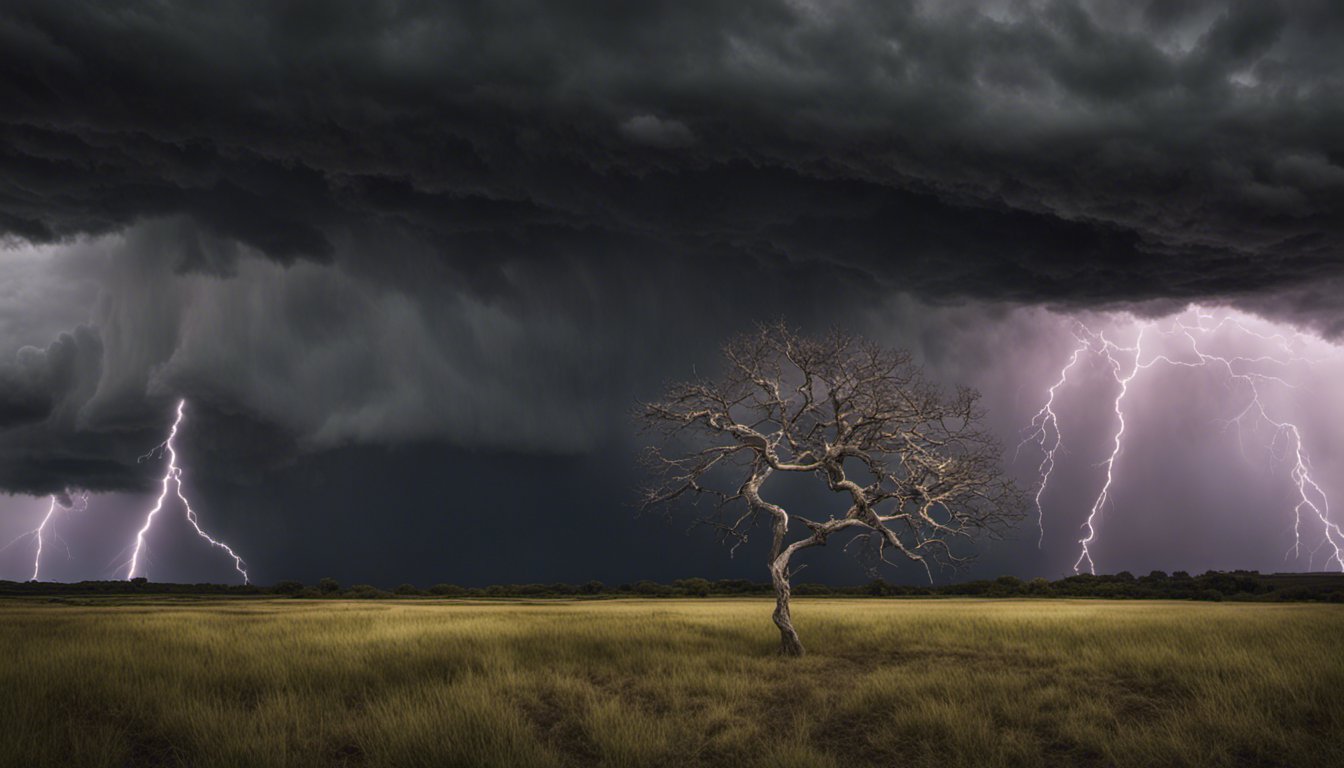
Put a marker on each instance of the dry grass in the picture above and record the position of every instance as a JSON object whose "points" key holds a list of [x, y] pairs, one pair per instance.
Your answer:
{"points": [[691, 682]]}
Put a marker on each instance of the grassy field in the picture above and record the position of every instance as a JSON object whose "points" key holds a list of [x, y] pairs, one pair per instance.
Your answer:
{"points": [[687, 682]]}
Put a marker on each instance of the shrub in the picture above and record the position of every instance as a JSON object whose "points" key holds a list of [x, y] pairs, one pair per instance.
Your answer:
{"points": [[287, 587], [694, 587], [647, 587], [879, 588], [1006, 586]]}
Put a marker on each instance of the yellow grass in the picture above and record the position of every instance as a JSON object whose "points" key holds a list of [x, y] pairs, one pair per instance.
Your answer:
{"points": [[688, 682]]}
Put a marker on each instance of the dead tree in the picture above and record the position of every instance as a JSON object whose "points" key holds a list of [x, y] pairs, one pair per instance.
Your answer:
{"points": [[912, 463]]}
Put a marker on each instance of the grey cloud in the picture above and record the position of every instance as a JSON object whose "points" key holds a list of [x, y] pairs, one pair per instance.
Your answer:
{"points": [[40, 383], [657, 132], [1076, 152], [495, 224], [26, 387], [280, 360]]}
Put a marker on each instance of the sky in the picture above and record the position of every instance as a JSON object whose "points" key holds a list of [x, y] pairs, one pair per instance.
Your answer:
{"points": [[413, 267]]}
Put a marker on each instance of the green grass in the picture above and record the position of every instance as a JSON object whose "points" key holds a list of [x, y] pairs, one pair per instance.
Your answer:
{"points": [[671, 682]]}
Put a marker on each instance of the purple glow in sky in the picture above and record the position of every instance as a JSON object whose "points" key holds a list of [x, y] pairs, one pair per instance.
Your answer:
{"points": [[1263, 375], [1203, 439]]}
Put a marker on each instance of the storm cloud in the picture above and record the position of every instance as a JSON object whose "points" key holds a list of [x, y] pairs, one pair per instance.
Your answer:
{"points": [[1063, 151], [306, 357], [493, 226]]}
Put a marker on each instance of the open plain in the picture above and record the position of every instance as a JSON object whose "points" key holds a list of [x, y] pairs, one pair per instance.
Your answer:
{"points": [[940, 682]]}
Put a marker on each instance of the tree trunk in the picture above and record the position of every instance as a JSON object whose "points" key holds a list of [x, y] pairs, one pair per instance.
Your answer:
{"points": [[789, 644]]}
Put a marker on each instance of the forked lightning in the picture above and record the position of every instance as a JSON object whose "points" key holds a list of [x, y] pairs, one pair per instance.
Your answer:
{"points": [[173, 475], [1127, 363]]}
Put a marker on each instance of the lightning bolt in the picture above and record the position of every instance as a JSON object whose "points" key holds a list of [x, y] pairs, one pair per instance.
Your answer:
{"points": [[41, 527], [1044, 432], [39, 534], [1311, 498], [1109, 349], [173, 475]]}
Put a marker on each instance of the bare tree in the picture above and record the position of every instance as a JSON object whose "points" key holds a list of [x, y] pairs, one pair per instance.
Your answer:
{"points": [[914, 465]]}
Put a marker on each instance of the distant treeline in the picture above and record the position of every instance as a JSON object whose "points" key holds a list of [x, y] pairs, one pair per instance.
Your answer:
{"points": [[1213, 585]]}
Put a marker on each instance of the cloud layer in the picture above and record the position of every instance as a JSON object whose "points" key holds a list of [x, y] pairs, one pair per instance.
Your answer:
{"points": [[1062, 151], [496, 224]]}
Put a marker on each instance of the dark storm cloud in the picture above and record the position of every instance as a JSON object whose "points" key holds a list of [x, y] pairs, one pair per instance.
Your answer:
{"points": [[1062, 151], [503, 222], [31, 386], [26, 387], [278, 361]]}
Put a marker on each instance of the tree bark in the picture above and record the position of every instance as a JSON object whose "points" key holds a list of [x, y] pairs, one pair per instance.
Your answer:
{"points": [[789, 644]]}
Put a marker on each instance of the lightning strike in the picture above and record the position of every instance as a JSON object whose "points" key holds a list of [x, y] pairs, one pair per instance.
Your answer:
{"points": [[173, 474], [1126, 365], [37, 557], [1107, 348], [1044, 427], [47, 527]]}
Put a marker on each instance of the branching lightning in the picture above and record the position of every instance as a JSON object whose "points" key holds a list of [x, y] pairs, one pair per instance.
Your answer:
{"points": [[1127, 363], [1045, 433], [173, 475], [47, 527]]}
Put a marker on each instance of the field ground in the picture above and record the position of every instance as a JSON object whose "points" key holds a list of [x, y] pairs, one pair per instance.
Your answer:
{"points": [[670, 682]]}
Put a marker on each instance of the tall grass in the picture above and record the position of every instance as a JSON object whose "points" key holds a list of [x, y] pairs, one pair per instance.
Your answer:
{"points": [[693, 682]]}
